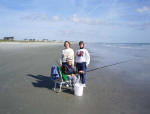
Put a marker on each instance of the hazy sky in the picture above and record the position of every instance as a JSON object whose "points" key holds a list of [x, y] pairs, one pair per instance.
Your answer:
{"points": [[90, 20]]}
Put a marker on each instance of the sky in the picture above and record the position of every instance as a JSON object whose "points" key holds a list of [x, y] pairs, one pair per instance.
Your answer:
{"points": [[112, 21]]}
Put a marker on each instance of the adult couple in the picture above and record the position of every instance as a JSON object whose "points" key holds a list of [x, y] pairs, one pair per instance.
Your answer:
{"points": [[80, 59]]}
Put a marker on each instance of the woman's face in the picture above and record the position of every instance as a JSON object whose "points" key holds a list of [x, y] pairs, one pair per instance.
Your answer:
{"points": [[67, 45], [81, 45], [70, 63]]}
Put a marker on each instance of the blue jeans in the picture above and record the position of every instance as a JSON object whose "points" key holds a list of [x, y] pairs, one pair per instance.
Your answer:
{"points": [[82, 66]]}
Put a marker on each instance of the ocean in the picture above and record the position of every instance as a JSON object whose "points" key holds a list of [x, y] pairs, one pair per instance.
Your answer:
{"points": [[108, 53], [137, 57]]}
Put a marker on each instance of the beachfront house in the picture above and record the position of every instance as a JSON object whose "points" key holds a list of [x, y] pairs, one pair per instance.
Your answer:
{"points": [[9, 38], [32, 40], [26, 39], [45, 40]]}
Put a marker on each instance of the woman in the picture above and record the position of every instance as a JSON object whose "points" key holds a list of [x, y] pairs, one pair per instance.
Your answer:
{"points": [[68, 70], [82, 60], [67, 53]]}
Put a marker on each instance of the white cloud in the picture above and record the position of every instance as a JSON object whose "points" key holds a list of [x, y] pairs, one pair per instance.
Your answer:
{"points": [[40, 17], [85, 20], [144, 9], [56, 18], [142, 26]]}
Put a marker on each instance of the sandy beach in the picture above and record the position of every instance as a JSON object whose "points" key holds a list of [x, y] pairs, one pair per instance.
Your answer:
{"points": [[25, 87]]}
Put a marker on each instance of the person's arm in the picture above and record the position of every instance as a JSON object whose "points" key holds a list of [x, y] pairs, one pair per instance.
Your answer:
{"points": [[75, 58], [72, 58], [61, 58], [74, 72], [87, 58], [64, 69]]}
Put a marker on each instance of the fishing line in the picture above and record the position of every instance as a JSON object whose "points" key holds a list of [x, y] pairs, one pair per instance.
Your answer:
{"points": [[101, 67], [108, 65]]}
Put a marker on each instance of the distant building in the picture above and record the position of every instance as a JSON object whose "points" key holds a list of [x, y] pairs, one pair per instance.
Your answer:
{"points": [[45, 40], [26, 39], [9, 38], [32, 40]]}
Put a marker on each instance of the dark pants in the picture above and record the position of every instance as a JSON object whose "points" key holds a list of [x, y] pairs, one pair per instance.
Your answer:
{"points": [[82, 66]]}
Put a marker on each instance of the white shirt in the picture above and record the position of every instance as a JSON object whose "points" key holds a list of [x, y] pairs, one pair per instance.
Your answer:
{"points": [[67, 53], [82, 55]]}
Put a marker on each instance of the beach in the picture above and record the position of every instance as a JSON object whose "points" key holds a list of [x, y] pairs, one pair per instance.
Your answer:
{"points": [[25, 87]]}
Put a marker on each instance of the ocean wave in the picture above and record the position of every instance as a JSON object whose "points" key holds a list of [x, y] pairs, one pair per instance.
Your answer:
{"points": [[128, 46]]}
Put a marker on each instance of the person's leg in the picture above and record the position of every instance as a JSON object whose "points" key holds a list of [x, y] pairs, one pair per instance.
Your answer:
{"points": [[81, 75], [79, 67], [82, 66], [83, 79], [70, 80], [69, 77], [74, 79]]}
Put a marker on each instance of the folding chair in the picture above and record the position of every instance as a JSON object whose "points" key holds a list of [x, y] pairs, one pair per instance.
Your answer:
{"points": [[60, 81]]}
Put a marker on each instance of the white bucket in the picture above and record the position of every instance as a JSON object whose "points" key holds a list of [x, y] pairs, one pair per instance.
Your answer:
{"points": [[78, 89]]}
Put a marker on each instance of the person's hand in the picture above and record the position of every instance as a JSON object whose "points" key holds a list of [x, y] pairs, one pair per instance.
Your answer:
{"points": [[72, 74], [86, 65], [75, 63], [72, 66], [81, 71]]}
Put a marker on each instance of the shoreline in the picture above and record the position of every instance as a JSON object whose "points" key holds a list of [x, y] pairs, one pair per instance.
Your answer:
{"points": [[17, 41], [22, 45]]}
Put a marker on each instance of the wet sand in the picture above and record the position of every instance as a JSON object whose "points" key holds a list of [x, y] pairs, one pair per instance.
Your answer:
{"points": [[25, 87]]}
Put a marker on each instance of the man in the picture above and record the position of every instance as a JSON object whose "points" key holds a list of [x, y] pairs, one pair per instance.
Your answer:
{"points": [[82, 60]]}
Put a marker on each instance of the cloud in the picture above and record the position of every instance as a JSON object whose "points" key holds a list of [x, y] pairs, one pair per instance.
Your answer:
{"points": [[135, 26], [40, 17], [56, 18], [144, 9], [142, 26], [85, 20], [91, 11]]}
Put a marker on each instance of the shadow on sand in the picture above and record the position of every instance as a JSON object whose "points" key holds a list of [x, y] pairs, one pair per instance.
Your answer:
{"points": [[42, 81], [45, 82]]}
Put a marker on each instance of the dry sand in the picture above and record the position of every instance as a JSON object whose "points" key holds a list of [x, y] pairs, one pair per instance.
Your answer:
{"points": [[25, 87]]}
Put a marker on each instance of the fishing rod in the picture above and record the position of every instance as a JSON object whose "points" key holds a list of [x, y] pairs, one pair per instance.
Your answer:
{"points": [[108, 65], [105, 65]]}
